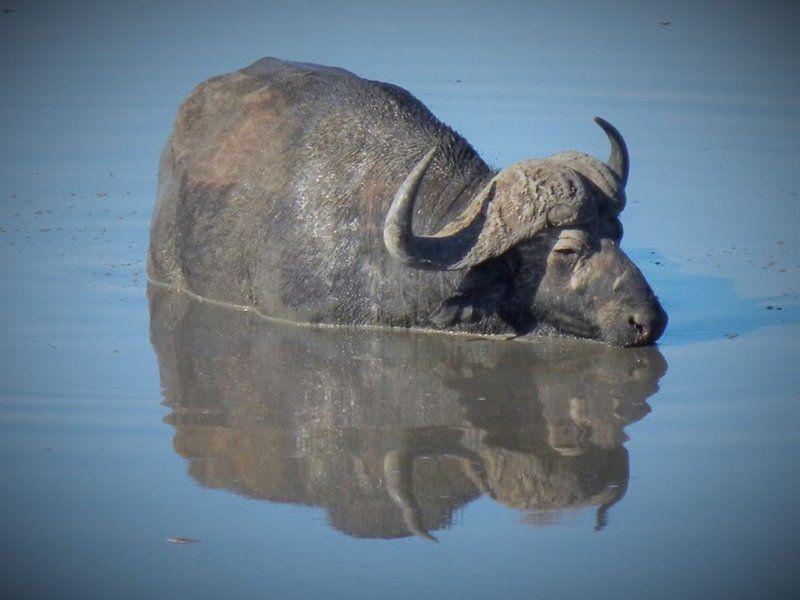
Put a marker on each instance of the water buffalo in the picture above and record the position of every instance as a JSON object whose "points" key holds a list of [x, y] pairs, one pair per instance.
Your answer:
{"points": [[391, 433], [291, 189]]}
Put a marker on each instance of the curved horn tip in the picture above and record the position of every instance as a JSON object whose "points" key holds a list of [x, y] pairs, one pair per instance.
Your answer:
{"points": [[601, 121], [422, 165], [397, 235], [606, 126], [430, 154], [618, 161], [427, 536]]}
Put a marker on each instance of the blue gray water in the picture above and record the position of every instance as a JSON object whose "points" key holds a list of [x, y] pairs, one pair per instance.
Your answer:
{"points": [[553, 469]]}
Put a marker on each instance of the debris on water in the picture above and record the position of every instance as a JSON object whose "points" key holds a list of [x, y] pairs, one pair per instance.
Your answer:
{"points": [[665, 23], [770, 307], [101, 194], [730, 336], [179, 539]]}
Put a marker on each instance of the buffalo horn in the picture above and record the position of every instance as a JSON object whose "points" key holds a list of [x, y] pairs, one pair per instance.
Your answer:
{"points": [[437, 252], [618, 160]]}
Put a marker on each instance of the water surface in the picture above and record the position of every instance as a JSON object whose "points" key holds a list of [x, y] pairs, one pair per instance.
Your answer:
{"points": [[319, 463]]}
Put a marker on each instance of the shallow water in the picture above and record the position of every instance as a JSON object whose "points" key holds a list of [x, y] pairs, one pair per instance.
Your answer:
{"points": [[304, 460]]}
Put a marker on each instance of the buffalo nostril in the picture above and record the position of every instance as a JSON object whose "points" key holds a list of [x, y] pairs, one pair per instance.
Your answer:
{"points": [[647, 326], [636, 323]]}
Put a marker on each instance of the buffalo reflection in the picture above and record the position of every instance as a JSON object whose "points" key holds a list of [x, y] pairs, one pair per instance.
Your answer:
{"points": [[392, 431]]}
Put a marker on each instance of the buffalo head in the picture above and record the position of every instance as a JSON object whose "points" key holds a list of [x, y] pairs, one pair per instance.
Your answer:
{"points": [[552, 227]]}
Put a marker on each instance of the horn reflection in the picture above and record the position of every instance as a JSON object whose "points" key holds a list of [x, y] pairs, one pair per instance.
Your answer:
{"points": [[390, 431]]}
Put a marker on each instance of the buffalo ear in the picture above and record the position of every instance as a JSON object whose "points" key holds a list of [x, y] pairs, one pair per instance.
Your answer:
{"points": [[612, 227]]}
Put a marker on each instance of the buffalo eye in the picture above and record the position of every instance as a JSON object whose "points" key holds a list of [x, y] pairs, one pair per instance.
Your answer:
{"points": [[566, 250], [570, 242]]}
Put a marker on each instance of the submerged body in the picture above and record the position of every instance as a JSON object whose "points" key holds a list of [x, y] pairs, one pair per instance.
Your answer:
{"points": [[291, 189]]}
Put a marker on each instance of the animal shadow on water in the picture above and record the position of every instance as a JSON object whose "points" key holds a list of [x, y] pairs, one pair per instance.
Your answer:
{"points": [[393, 431]]}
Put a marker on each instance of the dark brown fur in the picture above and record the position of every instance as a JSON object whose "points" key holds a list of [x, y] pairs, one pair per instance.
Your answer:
{"points": [[274, 188]]}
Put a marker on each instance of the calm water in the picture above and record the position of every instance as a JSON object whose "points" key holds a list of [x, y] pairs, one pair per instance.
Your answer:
{"points": [[318, 463]]}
